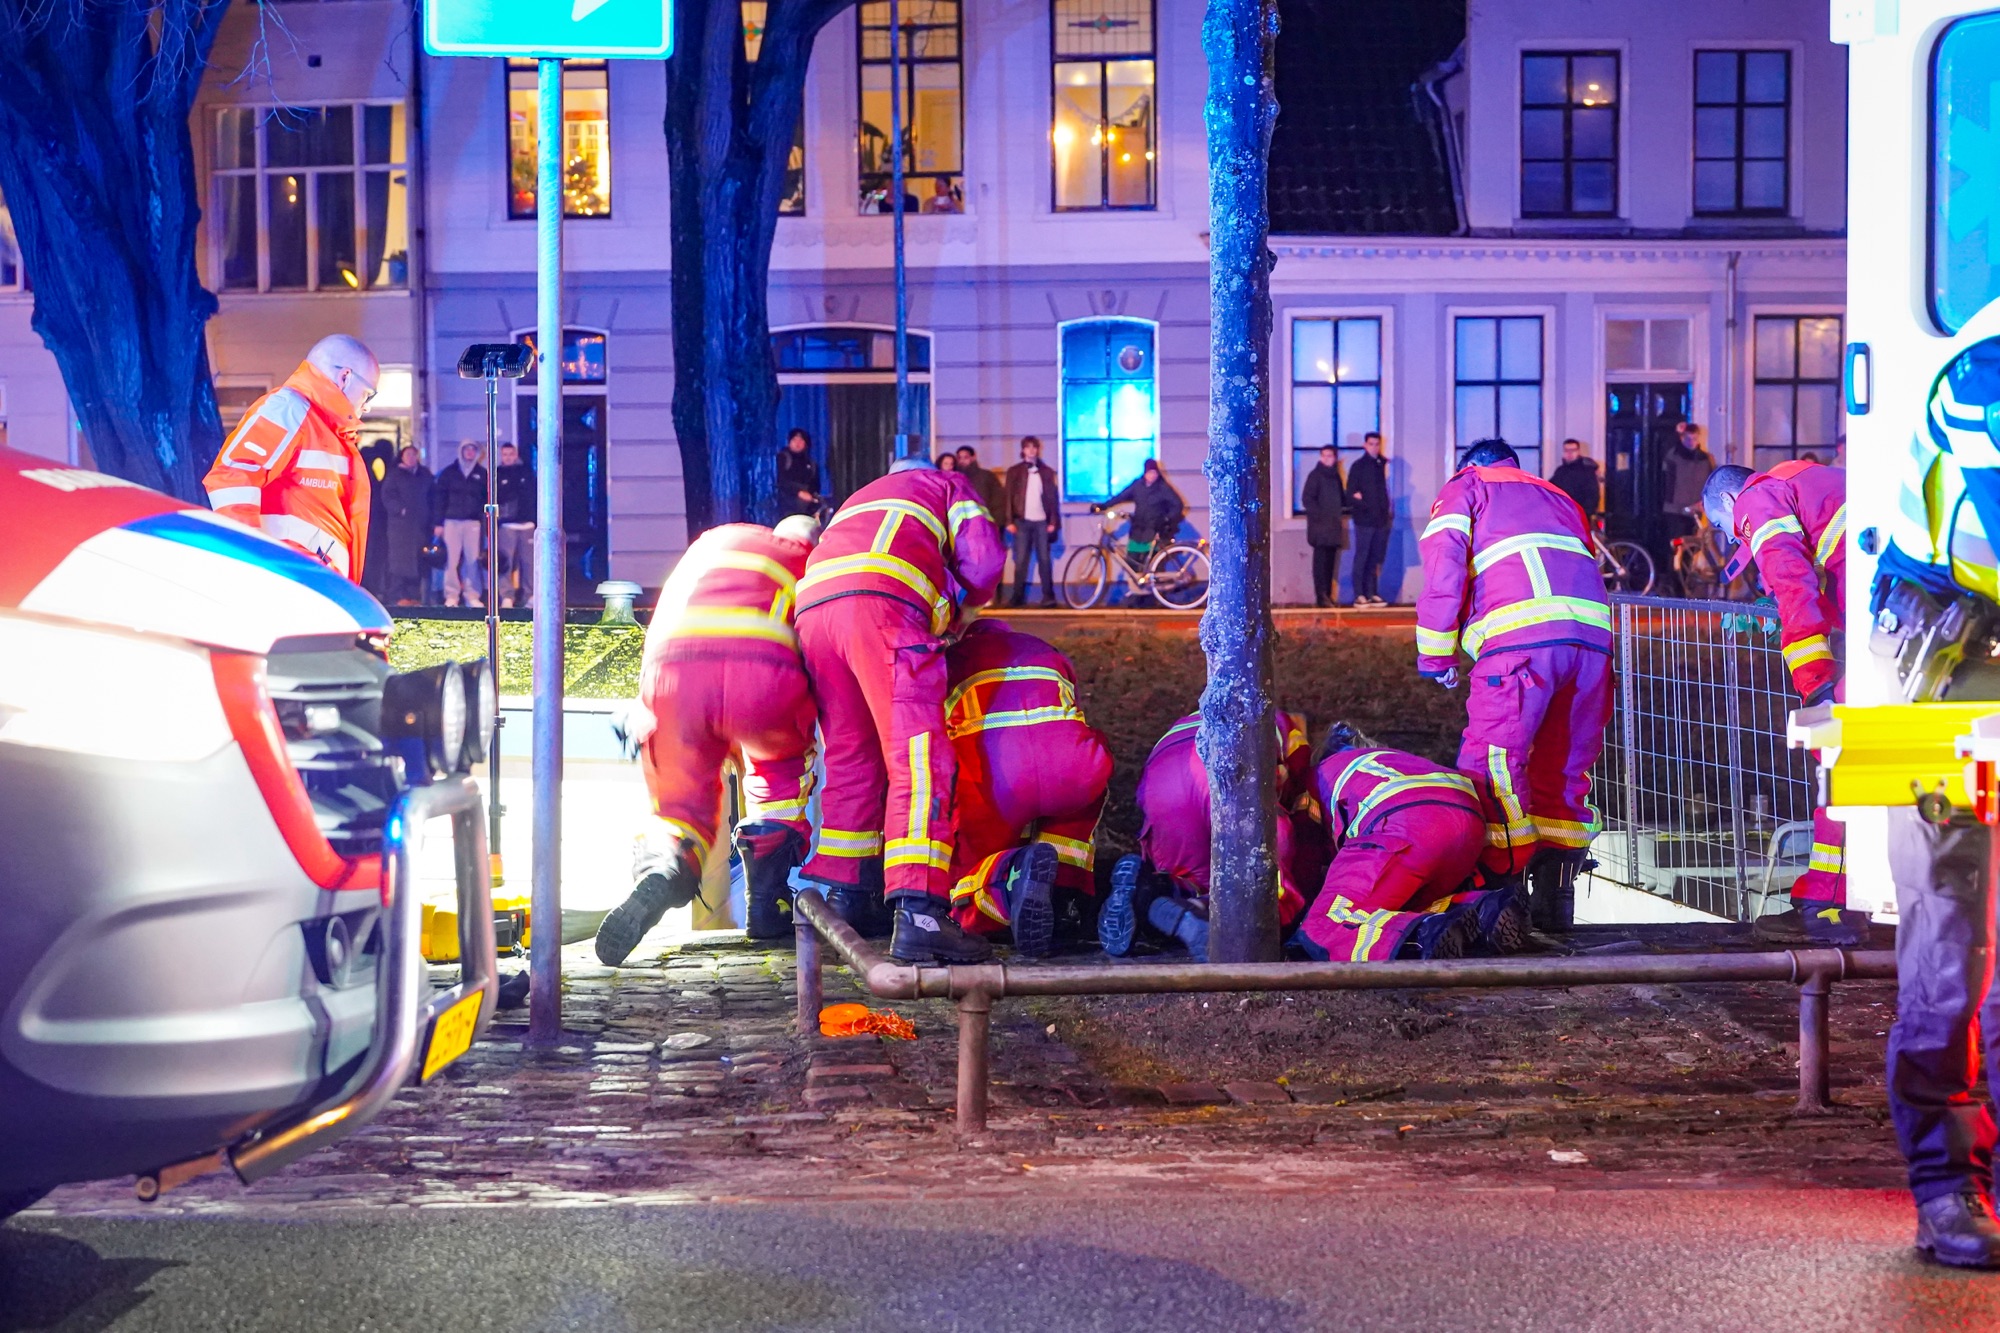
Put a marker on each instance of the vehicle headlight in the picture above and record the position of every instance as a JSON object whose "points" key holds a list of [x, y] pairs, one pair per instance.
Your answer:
{"points": [[428, 708], [483, 697], [107, 693]]}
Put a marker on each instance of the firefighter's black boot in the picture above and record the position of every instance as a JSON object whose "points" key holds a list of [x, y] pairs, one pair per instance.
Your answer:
{"points": [[1959, 1230], [1442, 935], [1552, 888], [860, 905], [1503, 920], [1125, 906], [1031, 905], [1172, 916], [656, 894], [1813, 923], [925, 933], [770, 853]]}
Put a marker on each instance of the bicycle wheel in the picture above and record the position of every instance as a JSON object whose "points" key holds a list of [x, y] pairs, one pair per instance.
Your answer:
{"points": [[1083, 577], [1633, 568], [1179, 575]]}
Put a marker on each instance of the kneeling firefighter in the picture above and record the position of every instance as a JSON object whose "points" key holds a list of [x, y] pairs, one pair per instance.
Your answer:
{"points": [[1166, 885], [1407, 836], [722, 676], [1032, 778]]}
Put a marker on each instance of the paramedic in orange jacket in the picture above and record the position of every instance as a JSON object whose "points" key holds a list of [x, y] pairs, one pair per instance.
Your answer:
{"points": [[887, 582], [722, 677], [1032, 777], [291, 466], [1510, 581], [1792, 521]]}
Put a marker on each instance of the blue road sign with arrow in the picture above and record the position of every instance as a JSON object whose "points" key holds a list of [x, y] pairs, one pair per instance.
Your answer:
{"points": [[550, 29]]}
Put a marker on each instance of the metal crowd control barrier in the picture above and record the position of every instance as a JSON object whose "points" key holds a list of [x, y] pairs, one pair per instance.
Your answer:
{"points": [[976, 988], [1702, 803]]}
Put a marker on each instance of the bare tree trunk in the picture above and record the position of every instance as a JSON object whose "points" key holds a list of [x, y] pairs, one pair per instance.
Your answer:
{"points": [[729, 131], [97, 168], [1238, 741]]}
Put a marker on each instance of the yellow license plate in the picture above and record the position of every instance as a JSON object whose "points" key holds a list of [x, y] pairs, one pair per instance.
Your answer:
{"points": [[451, 1034]]}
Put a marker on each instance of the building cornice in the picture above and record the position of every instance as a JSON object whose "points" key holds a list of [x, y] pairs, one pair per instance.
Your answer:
{"points": [[1571, 249]]}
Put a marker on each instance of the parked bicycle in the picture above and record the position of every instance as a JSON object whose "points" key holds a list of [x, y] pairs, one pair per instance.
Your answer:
{"points": [[1176, 574], [1626, 566], [1699, 564]]}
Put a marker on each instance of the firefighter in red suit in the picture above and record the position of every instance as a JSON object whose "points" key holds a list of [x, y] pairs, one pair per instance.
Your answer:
{"points": [[722, 678], [1792, 521], [1174, 842], [1510, 581], [896, 566], [1032, 777], [1407, 836]]}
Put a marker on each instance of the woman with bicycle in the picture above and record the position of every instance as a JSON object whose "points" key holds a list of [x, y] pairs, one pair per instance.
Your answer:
{"points": [[1157, 511]]}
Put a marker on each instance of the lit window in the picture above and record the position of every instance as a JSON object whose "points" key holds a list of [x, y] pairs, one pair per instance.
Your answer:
{"points": [[1965, 145], [311, 198], [1742, 131], [1336, 392], [1796, 408], [586, 165], [10, 253], [1110, 405], [1569, 134], [792, 202], [1497, 384], [1103, 126], [932, 179]]}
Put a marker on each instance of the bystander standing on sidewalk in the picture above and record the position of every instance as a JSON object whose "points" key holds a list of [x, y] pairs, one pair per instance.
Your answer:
{"points": [[516, 557], [1368, 505], [461, 507], [1579, 478], [1324, 500], [798, 477], [407, 503], [1031, 499], [986, 484]]}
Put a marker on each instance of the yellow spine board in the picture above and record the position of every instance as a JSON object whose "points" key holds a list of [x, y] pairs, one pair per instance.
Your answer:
{"points": [[1872, 756]]}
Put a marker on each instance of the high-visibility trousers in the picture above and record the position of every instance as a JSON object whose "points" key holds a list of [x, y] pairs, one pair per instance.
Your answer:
{"points": [[1018, 786], [1534, 725], [1382, 883], [1825, 882], [750, 702], [879, 677]]}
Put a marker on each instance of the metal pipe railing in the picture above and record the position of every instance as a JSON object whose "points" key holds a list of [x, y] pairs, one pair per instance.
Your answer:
{"points": [[975, 988]]}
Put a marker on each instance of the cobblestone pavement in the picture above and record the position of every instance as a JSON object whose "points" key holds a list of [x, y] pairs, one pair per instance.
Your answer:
{"points": [[682, 1081]]}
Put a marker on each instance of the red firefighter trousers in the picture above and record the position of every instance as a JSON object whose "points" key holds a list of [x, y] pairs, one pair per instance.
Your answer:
{"points": [[879, 676], [750, 701], [1382, 882], [1018, 786], [1824, 884], [1534, 725]]}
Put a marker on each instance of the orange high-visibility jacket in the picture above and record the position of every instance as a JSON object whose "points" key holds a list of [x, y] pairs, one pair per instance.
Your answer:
{"points": [[1507, 564], [292, 469], [919, 536], [1794, 518], [732, 589]]}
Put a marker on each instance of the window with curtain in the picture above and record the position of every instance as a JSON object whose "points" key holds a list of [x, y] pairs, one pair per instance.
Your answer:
{"points": [[1336, 391], [1497, 383], [1110, 405], [586, 163], [1796, 408], [311, 198], [1742, 132], [1569, 134], [792, 203], [1965, 117], [933, 139], [1103, 126]]}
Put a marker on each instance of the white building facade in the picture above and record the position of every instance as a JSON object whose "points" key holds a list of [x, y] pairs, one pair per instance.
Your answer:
{"points": [[1588, 222]]}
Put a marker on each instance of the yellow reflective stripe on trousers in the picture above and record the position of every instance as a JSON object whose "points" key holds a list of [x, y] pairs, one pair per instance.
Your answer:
{"points": [[1538, 611], [917, 852], [1448, 523], [756, 810], [888, 566], [917, 848], [1457, 782], [1518, 827], [1564, 832], [1826, 859], [1367, 926], [849, 842], [1830, 538], [1783, 523], [730, 622], [1019, 717], [1813, 648], [688, 833], [1000, 675], [1070, 851], [1524, 543]]}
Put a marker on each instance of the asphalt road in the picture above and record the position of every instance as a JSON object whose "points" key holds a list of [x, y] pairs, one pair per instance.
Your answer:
{"points": [[1153, 1262]]}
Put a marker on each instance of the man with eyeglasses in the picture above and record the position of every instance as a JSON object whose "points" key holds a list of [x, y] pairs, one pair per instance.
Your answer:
{"points": [[291, 467]]}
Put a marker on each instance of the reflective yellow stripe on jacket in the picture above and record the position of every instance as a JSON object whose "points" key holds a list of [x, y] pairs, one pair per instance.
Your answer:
{"points": [[1829, 540], [887, 566], [966, 715], [1535, 611]]}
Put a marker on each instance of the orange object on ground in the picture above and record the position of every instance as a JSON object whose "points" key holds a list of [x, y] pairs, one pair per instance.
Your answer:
{"points": [[858, 1020]]}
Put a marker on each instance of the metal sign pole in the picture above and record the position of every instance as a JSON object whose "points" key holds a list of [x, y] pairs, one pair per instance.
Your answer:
{"points": [[905, 445], [493, 809], [545, 904]]}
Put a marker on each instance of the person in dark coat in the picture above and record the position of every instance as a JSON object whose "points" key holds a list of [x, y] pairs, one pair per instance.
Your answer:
{"points": [[1157, 511], [1369, 506], [1325, 503], [407, 499], [798, 476], [1578, 477], [991, 489], [1034, 501], [378, 456]]}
